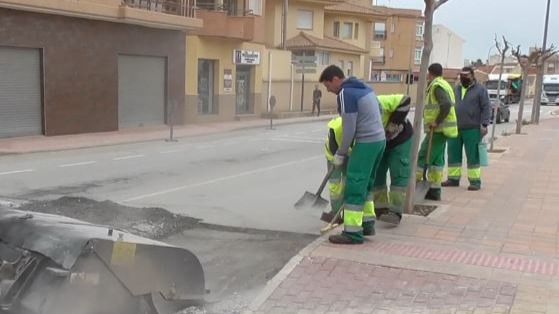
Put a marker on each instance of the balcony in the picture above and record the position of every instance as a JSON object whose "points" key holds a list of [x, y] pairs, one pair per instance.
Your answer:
{"points": [[378, 60], [174, 7], [227, 21], [379, 35]]}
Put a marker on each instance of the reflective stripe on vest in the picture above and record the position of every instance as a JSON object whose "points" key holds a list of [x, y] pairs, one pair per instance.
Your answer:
{"points": [[449, 127]]}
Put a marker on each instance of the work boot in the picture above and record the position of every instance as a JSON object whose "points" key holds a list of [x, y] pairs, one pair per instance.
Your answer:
{"points": [[347, 238], [391, 218], [433, 195], [451, 183], [369, 228], [327, 217], [474, 187], [380, 211]]}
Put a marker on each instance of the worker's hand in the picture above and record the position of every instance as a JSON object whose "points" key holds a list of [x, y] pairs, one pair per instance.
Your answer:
{"points": [[433, 126], [339, 160], [483, 130]]}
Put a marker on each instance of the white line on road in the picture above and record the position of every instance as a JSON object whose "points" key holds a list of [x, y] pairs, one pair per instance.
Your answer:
{"points": [[83, 163], [242, 174], [16, 171], [297, 140], [173, 151], [128, 157]]}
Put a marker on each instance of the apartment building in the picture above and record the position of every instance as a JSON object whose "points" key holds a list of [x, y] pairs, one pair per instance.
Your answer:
{"points": [[75, 66], [225, 61]]}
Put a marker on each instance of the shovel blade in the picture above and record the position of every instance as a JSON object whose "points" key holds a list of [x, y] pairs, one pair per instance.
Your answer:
{"points": [[421, 189], [310, 200]]}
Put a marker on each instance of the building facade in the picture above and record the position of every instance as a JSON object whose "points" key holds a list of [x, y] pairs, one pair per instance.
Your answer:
{"points": [[90, 66]]}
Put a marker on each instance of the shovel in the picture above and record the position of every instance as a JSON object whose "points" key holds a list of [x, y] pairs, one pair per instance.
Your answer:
{"points": [[310, 200], [423, 186]]}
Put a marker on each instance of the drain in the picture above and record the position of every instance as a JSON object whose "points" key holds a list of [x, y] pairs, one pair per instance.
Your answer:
{"points": [[423, 210]]}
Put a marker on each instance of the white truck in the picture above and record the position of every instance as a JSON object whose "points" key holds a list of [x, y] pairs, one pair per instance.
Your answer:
{"points": [[550, 90]]}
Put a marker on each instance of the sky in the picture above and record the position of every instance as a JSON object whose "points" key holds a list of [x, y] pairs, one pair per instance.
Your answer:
{"points": [[477, 22]]}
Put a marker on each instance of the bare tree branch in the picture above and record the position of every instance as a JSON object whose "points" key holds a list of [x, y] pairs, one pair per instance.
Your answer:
{"points": [[439, 3]]}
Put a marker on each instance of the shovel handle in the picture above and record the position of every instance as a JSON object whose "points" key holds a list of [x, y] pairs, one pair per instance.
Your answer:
{"points": [[428, 157], [324, 181]]}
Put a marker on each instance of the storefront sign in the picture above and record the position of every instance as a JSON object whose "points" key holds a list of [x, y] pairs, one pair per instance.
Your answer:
{"points": [[246, 57], [228, 80]]}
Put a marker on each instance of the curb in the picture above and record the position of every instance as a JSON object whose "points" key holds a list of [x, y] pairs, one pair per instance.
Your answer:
{"points": [[263, 123], [276, 281]]}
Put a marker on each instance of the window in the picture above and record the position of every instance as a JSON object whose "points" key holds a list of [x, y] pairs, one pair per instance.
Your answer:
{"points": [[349, 68], [379, 31], [356, 32], [342, 64], [336, 29], [255, 7], [391, 53], [323, 58], [419, 30], [418, 53], [393, 27], [305, 19], [347, 31]]}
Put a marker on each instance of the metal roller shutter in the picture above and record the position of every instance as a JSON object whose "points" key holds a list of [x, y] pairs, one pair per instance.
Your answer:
{"points": [[141, 91], [20, 92]]}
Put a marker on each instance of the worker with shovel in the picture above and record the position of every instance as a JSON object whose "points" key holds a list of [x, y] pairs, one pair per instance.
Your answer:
{"points": [[389, 204], [439, 120], [362, 125]]}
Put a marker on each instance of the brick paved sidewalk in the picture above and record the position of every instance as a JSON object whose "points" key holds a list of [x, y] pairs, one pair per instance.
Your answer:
{"points": [[492, 251]]}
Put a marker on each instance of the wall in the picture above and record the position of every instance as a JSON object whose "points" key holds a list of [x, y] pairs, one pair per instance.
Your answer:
{"points": [[292, 18], [364, 26], [80, 65], [448, 48], [220, 50], [401, 41]]}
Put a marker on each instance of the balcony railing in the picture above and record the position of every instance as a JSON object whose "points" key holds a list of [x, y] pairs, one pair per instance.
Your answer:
{"points": [[184, 8], [378, 60], [379, 35], [229, 7]]}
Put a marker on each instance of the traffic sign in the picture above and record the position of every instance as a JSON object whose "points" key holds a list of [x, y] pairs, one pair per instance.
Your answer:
{"points": [[304, 59]]}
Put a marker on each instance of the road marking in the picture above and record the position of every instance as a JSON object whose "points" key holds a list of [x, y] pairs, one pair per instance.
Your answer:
{"points": [[77, 164], [235, 176], [297, 140], [128, 157], [173, 151], [16, 171]]}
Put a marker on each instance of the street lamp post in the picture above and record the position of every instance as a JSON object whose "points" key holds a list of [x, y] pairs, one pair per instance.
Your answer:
{"points": [[540, 66]]}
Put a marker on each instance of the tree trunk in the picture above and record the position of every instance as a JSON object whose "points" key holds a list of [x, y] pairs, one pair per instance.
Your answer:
{"points": [[419, 105], [522, 99], [538, 96]]}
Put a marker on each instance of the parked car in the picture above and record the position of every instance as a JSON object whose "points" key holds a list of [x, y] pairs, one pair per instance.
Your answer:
{"points": [[503, 111]]}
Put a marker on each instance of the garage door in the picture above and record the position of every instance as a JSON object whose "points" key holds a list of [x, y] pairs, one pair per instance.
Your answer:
{"points": [[141, 91], [20, 92]]}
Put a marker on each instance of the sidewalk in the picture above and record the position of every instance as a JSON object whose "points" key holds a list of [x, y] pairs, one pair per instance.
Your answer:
{"points": [[493, 251], [19, 145]]}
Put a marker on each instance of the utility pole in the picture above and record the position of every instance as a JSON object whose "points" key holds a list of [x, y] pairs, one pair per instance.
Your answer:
{"points": [[284, 25], [540, 68]]}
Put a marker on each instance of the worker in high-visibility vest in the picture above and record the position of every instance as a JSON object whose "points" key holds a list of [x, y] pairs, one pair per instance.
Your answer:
{"points": [[439, 116], [362, 126], [389, 203]]}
